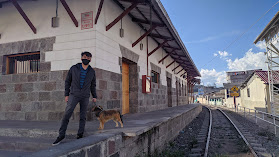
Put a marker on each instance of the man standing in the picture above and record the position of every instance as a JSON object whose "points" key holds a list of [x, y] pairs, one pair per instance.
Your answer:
{"points": [[80, 81]]}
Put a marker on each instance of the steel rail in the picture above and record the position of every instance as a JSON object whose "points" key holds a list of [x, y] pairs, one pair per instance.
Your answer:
{"points": [[209, 132], [244, 139]]}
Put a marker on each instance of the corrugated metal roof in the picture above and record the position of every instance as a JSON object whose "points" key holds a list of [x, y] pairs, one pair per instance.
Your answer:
{"points": [[152, 11]]}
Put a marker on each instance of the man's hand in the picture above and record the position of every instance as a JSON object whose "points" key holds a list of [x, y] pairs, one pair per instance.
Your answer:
{"points": [[94, 100], [66, 98]]}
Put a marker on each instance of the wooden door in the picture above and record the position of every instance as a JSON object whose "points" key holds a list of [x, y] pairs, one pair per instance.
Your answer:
{"points": [[125, 88], [169, 92]]}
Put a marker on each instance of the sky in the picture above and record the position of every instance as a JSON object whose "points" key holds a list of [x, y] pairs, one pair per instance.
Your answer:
{"points": [[208, 27]]}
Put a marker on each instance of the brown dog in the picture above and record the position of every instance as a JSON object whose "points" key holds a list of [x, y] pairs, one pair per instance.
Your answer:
{"points": [[104, 116]]}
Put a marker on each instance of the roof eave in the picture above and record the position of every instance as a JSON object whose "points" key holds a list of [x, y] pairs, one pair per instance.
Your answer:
{"points": [[159, 5], [267, 28]]}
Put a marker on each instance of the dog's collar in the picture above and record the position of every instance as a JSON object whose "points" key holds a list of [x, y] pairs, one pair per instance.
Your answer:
{"points": [[98, 114]]}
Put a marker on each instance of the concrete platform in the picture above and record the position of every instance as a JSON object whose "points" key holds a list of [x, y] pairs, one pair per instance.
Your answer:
{"points": [[20, 137]]}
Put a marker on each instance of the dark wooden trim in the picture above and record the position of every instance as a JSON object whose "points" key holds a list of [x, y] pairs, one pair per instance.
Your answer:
{"points": [[99, 11], [166, 56], [121, 16], [144, 35], [170, 64], [175, 67], [147, 22], [149, 54], [24, 54], [183, 74], [180, 71], [66, 6], [25, 17]]}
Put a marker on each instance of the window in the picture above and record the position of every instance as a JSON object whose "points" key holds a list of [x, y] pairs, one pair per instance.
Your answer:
{"points": [[155, 77], [248, 92], [23, 63]]}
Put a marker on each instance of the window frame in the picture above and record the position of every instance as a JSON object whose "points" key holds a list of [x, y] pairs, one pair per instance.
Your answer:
{"points": [[18, 55], [248, 92], [157, 77]]}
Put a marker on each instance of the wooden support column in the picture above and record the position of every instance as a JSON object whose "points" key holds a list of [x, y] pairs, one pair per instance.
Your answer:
{"points": [[22, 13], [144, 35], [99, 11], [121, 16], [170, 64], [67, 8], [149, 54]]}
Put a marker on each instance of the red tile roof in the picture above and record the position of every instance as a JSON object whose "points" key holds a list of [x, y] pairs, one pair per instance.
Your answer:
{"points": [[264, 76]]}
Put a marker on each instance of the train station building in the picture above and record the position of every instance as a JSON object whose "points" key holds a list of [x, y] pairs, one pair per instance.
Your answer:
{"points": [[141, 63]]}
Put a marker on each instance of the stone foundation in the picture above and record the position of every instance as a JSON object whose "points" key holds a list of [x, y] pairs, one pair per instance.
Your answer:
{"points": [[40, 96]]}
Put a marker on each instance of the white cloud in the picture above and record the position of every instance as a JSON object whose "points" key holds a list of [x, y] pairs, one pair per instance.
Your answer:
{"points": [[209, 77], [224, 54], [261, 45], [250, 61]]}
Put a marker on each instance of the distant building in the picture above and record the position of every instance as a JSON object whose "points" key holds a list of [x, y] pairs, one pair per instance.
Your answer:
{"points": [[203, 90], [235, 78], [255, 91]]}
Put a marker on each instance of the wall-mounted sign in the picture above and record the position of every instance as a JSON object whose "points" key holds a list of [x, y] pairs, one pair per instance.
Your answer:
{"points": [[87, 20], [146, 84]]}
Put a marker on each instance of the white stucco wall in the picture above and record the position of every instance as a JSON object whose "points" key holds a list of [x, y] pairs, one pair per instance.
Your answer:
{"points": [[71, 41], [258, 95]]}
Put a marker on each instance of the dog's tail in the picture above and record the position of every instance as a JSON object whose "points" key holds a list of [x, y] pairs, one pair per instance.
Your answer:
{"points": [[120, 116]]}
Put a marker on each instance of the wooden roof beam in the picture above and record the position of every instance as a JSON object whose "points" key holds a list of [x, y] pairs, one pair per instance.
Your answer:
{"points": [[160, 37], [170, 64], [149, 54], [99, 10], [183, 73], [166, 56], [125, 12], [147, 22], [22, 13], [69, 11], [169, 47], [180, 71], [175, 67], [144, 35]]}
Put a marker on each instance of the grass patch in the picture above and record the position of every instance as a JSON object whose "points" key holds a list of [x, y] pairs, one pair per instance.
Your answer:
{"points": [[193, 142]]}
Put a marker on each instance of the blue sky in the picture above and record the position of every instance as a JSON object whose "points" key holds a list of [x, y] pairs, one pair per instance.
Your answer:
{"points": [[209, 26]]}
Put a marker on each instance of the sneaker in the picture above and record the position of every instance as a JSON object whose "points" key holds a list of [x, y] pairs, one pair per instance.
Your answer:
{"points": [[58, 140], [79, 136]]}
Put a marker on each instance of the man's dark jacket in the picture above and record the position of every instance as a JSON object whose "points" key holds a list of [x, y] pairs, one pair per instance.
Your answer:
{"points": [[72, 82]]}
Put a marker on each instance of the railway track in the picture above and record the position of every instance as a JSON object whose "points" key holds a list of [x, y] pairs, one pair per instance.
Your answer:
{"points": [[221, 136]]}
